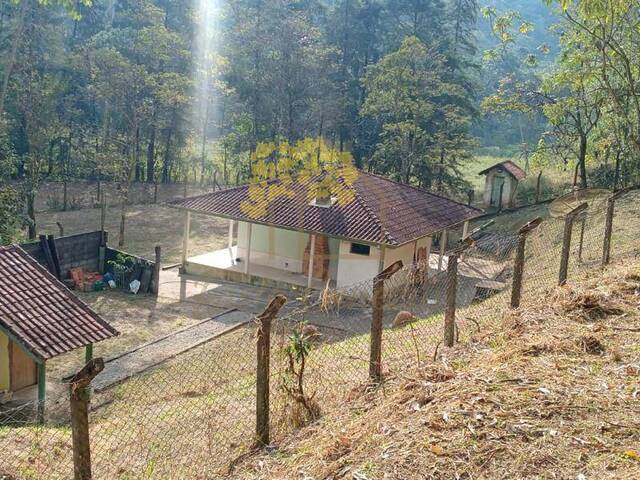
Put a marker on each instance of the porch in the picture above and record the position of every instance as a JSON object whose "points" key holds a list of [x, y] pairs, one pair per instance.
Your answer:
{"points": [[225, 264]]}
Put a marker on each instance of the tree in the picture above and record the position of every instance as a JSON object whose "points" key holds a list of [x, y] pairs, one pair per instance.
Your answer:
{"points": [[424, 135]]}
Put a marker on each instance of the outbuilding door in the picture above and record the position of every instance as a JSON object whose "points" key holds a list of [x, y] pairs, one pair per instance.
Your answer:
{"points": [[22, 368], [498, 182]]}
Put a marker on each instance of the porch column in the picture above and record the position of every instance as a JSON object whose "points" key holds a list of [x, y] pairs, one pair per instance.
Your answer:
{"points": [[185, 238], [465, 229], [42, 390], [429, 254], [312, 254], [246, 264], [230, 234], [443, 247], [383, 251]]}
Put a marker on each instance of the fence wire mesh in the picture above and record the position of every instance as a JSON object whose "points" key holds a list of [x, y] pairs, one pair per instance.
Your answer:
{"points": [[194, 415]]}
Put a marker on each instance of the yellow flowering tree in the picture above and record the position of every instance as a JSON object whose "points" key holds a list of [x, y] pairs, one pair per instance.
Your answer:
{"points": [[320, 168]]}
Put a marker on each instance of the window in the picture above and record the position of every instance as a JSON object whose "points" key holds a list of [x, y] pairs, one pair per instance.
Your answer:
{"points": [[360, 249]]}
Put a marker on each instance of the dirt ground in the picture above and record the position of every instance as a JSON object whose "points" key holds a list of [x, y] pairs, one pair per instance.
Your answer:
{"points": [[146, 227]]}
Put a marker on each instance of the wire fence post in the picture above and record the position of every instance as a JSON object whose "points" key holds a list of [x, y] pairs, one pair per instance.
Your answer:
{"points": [[450, 308], [155, 281], [566, 242], [79, 403], [262, 370], [377, 317], [518, 265], [608, 226]]}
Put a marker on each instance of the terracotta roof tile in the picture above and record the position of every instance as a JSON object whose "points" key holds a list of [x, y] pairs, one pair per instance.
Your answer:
{"points": [[40, 312], [510, 167], [380, 211]]}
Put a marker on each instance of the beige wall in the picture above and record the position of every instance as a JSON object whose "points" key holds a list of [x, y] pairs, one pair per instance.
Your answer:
{"points": [[4, 362], [272, 247], [405, 252], [508, 192], [353, 268]]}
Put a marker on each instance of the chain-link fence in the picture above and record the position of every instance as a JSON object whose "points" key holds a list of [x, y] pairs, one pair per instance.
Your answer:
{"points": [[197, 414]]}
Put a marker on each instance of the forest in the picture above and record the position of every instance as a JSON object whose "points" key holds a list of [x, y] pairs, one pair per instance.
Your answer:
{"points": [[171, 91]]}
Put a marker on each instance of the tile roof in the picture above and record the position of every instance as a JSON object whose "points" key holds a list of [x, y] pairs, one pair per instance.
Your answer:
{"points": [[372, 209], [40, 312], [510, 167]]}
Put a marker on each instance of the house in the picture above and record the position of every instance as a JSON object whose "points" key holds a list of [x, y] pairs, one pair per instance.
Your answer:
{"points": [[293, 232], [39, 319], [501, 183]]}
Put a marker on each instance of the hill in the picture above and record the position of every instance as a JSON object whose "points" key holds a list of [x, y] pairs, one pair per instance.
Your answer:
{"points": [[552, 393]]}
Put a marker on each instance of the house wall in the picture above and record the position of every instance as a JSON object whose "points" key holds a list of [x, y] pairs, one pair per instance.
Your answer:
{"points": [[354, 268], [404, 252], [508, 192], [272, 247], [4, 362]]}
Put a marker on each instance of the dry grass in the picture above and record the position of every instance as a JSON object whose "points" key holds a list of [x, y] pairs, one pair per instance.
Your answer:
{"points": [[547, 395]]}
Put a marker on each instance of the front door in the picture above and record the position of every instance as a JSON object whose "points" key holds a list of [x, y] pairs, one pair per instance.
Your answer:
{"points": [[498, 182], [22, 368]]}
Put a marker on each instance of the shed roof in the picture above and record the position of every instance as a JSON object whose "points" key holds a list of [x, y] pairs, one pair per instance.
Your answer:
{"points": [[376, 210], [38, 311], [508, 166]]}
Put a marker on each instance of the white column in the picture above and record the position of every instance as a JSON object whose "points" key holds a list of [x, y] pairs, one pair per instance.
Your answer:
{"points": [[443, 247], [185, 238], [312, 253], [465, 229], [246, 264], [383, 251], [230, 234]]}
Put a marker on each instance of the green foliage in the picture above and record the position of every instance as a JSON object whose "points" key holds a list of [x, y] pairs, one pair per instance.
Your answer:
{"points": [[10, 215]]}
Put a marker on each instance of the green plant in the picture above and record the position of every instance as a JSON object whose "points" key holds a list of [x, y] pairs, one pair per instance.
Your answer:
{"points": [[122, 264], [297, 351]]}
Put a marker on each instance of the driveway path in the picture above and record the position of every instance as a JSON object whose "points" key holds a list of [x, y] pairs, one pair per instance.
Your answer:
{"points": [[148, 355]]}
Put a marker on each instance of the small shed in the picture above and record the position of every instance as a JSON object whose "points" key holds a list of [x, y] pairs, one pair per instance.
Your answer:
{"points": [[501, 183], [39, 319]]}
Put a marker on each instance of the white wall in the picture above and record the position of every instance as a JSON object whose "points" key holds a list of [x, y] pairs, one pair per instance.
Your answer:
{"points": [[508, 191], [354, 268], [272, 247], [404, 252]]}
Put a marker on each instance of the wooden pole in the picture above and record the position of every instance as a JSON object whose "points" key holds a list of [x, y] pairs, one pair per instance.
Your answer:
{"points": [[465, 229], [566, 242], [608, 228], [262, 370], [377, 317], [155, 281], [185, 238], [60, 229], [518, 267], [450, 310], [79, 403], [42, 390]]}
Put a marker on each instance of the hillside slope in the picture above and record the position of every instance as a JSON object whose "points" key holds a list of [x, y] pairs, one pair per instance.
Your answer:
{"points": [[554, 393]]}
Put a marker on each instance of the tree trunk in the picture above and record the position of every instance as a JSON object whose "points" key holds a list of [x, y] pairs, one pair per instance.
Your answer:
{"points": [[582, 159], [138, 174], [13, 54], [123, 216], [616, 176], [151, 155], [31, 213]]}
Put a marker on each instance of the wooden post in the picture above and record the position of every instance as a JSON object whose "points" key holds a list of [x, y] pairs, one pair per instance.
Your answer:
{"points": [[450, 309], [470, 196], [566, 242], [312, 254], [246, 265], [79, 402], [88, 353], [518, 267], [155, 281], [377, 316], [608, 227], [262, 371], [42, 390], [60, 229], [185, 238]]}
